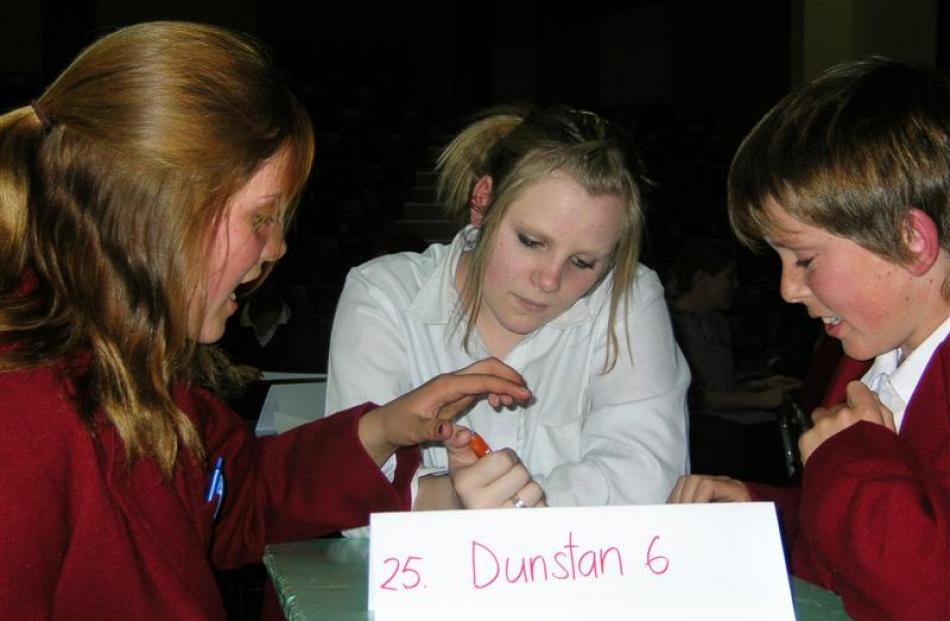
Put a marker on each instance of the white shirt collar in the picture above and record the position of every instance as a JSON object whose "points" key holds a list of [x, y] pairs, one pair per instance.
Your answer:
{"points": [[437, 300], [903, 378]]}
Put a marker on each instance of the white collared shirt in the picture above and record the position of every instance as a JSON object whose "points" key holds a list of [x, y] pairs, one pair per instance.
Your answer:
{"points": [[894, 382], [588, 438]]}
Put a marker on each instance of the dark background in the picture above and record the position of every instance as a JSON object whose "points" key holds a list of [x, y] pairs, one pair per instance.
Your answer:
{"points": [[388, 83]]}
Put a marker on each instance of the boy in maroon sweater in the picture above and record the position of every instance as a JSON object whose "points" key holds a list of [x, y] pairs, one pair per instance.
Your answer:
{"points": [[848, 180]]}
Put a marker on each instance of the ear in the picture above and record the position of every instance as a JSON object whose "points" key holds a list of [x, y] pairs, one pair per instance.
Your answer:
{"points": [[481, 198], [921, 238]]}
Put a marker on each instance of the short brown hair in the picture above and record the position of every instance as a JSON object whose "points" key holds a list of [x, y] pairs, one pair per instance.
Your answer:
{"points": [[850, 152]]}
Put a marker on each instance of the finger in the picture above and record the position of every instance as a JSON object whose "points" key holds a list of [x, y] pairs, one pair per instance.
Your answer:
{"points": [[888, 418], [450, 388], [822, 413], [530, 495], [502, 489], [495, 367], [692, 491], [859, 395], [868, 406], [460, 455], [493, 479], [459, 439], [705, 488], [685, 488], [677, 492]]}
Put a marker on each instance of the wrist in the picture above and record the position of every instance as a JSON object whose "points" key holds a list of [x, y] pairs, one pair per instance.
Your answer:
{"points": [[436, 492], [372, 435]]}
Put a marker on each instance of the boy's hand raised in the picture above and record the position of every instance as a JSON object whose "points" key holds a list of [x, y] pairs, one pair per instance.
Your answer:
{"points": [[425, 413], [862, 404]]}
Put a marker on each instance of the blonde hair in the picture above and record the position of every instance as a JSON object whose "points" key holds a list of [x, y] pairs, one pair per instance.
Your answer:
{"points": [[111, 185], [519, 146]]}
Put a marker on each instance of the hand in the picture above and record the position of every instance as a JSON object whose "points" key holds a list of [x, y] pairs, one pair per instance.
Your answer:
{"points": [[861, 404], [425, 413], [770, 398], [703, 488], [784, 382], [498, 479]]}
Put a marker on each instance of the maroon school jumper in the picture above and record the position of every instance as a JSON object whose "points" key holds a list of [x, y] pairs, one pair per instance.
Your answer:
{"points": [[83, 538], [872, 519]]}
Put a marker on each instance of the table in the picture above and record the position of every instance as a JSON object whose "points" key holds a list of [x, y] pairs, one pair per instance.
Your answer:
{"points": [[326, 579]]}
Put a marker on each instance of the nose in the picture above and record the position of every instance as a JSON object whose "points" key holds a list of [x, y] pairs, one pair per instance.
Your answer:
{"points": [[792, 286], [547, 277], [276, 246]]}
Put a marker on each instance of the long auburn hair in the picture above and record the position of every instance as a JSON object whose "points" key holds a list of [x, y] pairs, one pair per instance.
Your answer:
{"points": [[111, 185]]}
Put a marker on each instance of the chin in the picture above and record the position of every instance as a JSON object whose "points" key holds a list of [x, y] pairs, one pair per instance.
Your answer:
{"points": [[859, 352], [522, 329], [210, 334]]}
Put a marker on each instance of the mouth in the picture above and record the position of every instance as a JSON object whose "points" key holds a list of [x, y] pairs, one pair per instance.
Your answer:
{"points": [[531, 305], [831, 321]]}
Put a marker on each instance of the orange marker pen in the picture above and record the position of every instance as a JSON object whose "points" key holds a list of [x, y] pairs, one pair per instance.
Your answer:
{"points": [[478, 445]]}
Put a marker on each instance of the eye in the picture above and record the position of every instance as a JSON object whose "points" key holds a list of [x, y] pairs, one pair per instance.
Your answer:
{"points": [[582, 264], [528, 242], [803, 263], [263, 219]]}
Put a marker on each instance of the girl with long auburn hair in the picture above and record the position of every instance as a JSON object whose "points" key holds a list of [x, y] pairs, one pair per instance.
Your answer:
{"points": [[151, 181]]}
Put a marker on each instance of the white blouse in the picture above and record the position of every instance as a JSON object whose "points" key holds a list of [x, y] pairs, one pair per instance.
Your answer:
{"points": [[588, 438]]}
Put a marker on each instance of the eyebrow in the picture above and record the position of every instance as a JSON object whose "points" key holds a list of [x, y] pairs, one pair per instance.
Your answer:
{"points": [[590, 254], [530, 231]]}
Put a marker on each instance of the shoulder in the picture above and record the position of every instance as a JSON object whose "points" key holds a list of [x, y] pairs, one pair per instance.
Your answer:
{"points": [[943, 352], [940, 361], [645, 289], [646, 284], [211, 416], [37, 410], [399, 275], [37, 393]]}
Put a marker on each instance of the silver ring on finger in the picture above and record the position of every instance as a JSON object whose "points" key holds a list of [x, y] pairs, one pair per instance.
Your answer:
{"points": [[517, 502]]}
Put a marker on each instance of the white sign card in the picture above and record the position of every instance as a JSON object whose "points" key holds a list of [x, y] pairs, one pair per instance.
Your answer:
{"points": [[698, 561]]}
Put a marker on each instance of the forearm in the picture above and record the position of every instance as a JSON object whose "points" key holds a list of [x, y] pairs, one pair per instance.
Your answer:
{"points": [[719, 401], [307, 482]]}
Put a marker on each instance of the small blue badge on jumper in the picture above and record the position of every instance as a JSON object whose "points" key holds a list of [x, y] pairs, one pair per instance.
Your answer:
{"points": [[216, 486]]}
